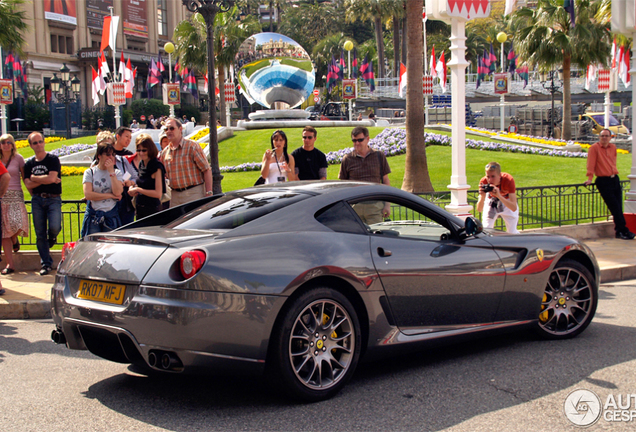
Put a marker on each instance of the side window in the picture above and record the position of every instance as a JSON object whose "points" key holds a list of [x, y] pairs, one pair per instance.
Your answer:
{"points": [[339, 218], [403, 221]]}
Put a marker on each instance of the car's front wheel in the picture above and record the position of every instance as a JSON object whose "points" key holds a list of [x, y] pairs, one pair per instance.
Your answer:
{"points": [[569, 301], [317, 346]]}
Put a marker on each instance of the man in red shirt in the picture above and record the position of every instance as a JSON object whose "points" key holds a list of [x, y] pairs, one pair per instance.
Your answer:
{"points": [[498, 192], [601, 161]]}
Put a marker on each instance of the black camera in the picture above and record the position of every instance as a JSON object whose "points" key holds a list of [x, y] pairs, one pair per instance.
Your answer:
{"points": [[487, 188], [280, 179]]}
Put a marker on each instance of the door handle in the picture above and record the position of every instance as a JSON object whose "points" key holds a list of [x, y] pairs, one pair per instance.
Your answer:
{"points": [[384, 252]]}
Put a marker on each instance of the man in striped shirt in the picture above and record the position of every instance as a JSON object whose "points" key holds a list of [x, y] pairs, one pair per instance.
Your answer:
{"points": [[366, 164], [186, 166], [601, 161]]}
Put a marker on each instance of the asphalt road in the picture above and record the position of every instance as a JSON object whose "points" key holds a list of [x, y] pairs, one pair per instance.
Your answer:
{"points": [[505, 383]]}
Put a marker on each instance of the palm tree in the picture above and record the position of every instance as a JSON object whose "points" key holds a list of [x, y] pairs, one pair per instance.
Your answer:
{"points": [[416, 177], [546, 40], [375, 10], [309, 23], [13, 25], [191, 47]]}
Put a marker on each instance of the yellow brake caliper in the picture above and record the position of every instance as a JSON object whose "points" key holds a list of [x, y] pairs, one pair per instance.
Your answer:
{"points": [[325, 320], [543, 317]]}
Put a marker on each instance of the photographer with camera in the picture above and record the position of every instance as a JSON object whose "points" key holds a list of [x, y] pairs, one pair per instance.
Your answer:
{"points": [[497, 192]]}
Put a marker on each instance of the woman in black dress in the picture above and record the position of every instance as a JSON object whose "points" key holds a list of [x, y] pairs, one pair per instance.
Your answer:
{"points": [[151, 182]]}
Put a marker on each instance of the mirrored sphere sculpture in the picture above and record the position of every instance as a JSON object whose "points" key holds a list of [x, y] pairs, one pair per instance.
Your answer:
{"points": [[273, 68]]}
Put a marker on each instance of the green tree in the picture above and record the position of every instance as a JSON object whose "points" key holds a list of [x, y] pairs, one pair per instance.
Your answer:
{"points": [[416, 177], [309, 23], [547, 40], [13, 25], [190, 40]]}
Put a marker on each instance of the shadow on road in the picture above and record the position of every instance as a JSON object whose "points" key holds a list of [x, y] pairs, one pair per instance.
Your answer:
{"points": [[428, 390]]}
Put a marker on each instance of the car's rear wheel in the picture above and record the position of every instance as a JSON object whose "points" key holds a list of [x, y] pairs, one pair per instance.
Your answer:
{"points": [[316, 348], [569, 301]]}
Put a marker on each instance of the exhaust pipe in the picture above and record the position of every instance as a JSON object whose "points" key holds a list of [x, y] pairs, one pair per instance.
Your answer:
{"points": [[168, 361], [152, 359], [58, 337]]}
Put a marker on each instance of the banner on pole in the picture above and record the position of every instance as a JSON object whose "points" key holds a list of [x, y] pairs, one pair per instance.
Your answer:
{"points": [[427, 85], [606, 81], [230, 96], [349, 88], [502, 83], [116, 93], [6, 92], [171, 94]]}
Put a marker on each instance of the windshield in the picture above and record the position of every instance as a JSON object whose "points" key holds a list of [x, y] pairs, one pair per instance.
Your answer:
{"points": [[600, 119], [236, 209]]}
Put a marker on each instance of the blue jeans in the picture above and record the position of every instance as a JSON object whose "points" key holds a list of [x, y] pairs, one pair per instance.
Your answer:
{"points": [[46, 210]]}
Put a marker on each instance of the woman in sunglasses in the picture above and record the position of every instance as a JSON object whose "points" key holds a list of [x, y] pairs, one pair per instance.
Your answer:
{"points": [[14, 215], [151, 183], [103, 187], [277, 165]]}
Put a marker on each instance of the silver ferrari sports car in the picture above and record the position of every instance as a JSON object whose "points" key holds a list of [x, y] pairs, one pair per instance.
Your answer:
{"points": [[301, 280]]}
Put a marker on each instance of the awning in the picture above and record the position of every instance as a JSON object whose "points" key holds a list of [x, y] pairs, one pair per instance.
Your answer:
{"points": [[53, 67]]}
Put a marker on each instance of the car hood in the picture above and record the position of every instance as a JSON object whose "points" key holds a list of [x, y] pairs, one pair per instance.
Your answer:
{"points": [[126, 256]]}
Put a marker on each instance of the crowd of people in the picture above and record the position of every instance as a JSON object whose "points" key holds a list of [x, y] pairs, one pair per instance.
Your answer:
{"points": [[120, 185]]}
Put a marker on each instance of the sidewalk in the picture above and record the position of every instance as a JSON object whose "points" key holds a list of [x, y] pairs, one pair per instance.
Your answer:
{"points": [[28, 294]]}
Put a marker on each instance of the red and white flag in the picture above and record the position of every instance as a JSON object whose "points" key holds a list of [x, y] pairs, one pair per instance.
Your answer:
{"points": [[95, 87], [433, 67], [441, 71], [129, 79], [510, 7], [205, 86], [614, 54], [100, 68], [623, 69], [122, 68], [590, 76], [109, 32], [402, 87]]}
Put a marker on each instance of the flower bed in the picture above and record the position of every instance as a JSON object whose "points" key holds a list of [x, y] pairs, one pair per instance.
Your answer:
{"points": [[25, 143], [68, 150]]}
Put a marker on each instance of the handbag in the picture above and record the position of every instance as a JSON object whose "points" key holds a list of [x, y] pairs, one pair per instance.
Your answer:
{"points": [[167, 195], [259, 181]]}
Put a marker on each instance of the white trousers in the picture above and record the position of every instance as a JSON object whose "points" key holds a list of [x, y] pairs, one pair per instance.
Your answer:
{"points": [[490, 215]]}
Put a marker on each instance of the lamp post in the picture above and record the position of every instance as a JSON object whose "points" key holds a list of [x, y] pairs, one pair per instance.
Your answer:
{"points": [[502, 38], [552, 86], [169, 48], [208, 10], [67, 90], [348, 45]]}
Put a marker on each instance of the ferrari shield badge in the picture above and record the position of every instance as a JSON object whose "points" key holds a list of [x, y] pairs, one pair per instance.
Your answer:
{"points": [[540, 254]]}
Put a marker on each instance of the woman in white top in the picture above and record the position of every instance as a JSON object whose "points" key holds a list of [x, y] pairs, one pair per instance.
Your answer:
{"points": [[103, 187], [277, 165]]}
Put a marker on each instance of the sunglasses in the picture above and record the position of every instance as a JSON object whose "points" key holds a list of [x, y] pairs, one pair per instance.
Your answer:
{"points": [[37, 142], [6, 142], [308, 137], [357, 140], [142, 150], [171, 128]]}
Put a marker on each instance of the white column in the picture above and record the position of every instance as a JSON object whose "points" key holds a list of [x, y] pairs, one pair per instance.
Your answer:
{"points": [[630, 198], [458, 186], [425, 72], [607, 105], [502, 102], [349, 76], [170, 81]]}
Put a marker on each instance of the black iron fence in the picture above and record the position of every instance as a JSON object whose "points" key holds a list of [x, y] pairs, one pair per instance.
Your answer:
{"points": [[539, 207]]}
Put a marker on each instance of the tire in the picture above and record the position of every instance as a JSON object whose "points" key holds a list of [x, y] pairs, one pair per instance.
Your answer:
{"points": [[569, 301], [312, 358]]}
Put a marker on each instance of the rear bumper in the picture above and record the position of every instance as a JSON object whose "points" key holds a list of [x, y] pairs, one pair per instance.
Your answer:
{"points": [[203, 329]]}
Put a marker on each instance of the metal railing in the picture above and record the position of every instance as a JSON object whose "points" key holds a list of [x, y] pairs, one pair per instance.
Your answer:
{"points": [[539, 207], [547, 206]]}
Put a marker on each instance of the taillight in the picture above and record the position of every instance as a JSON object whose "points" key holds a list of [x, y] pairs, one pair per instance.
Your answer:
{"points": [[66, 249], [191, 262]]}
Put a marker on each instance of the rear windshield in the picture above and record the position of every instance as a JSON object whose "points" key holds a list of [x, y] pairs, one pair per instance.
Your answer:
{"points": [[236, 209]]}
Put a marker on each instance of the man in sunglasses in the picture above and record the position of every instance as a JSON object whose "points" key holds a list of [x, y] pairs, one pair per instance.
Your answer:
{"points": [[498, 192], [123, 136], [42, 177], [366, 164], [601, 161], [187, 168], [311, 163]]}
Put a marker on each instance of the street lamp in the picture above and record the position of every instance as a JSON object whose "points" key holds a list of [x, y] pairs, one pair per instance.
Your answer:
{"points": [[348, 45], [502, 37], [552, 86], [169, 48], [67, 90], [208, 10]]}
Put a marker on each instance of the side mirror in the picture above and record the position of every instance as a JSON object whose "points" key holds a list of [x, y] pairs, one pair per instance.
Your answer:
{"points": [[472, 226]]}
